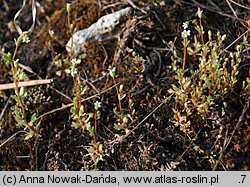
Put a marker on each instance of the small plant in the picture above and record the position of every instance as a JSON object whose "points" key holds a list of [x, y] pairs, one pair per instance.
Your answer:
{"points": [[95, 152], [119, 93], [87, 121], [18, 75], [97, 115], [123, 118], [81, 118], [70, 25], [84, 116], [79, 115], [49, 44], [214, 74]]}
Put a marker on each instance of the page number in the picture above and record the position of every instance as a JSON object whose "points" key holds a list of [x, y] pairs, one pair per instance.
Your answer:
{"points": [[243, 178]]}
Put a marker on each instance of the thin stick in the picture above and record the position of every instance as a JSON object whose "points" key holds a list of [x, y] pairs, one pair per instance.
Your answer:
{"points": [[6, 5], [27, 68], [189, 146], [230, 6], [72, 104], [222, 151], [195, 3], [12, 136], [25, 84], [246, 107], [135, 7], [4, 109], [226, 143], [153, 111], [239, 5]]}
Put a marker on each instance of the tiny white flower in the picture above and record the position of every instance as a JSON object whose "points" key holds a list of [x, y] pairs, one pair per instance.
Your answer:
{"points": [[97, 105], [185, 25], [25, 39], [73, 71], [68, 7], [182, 91], [215, 61], [73, 61], [112, 72], [185, 33], [51, 33]]}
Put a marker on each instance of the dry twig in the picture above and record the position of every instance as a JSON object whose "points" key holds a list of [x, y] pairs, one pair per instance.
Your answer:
{"points": [[239, 5], [72, 104], [25, 84], [4, 109], [226, 143], [230, 6]]}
